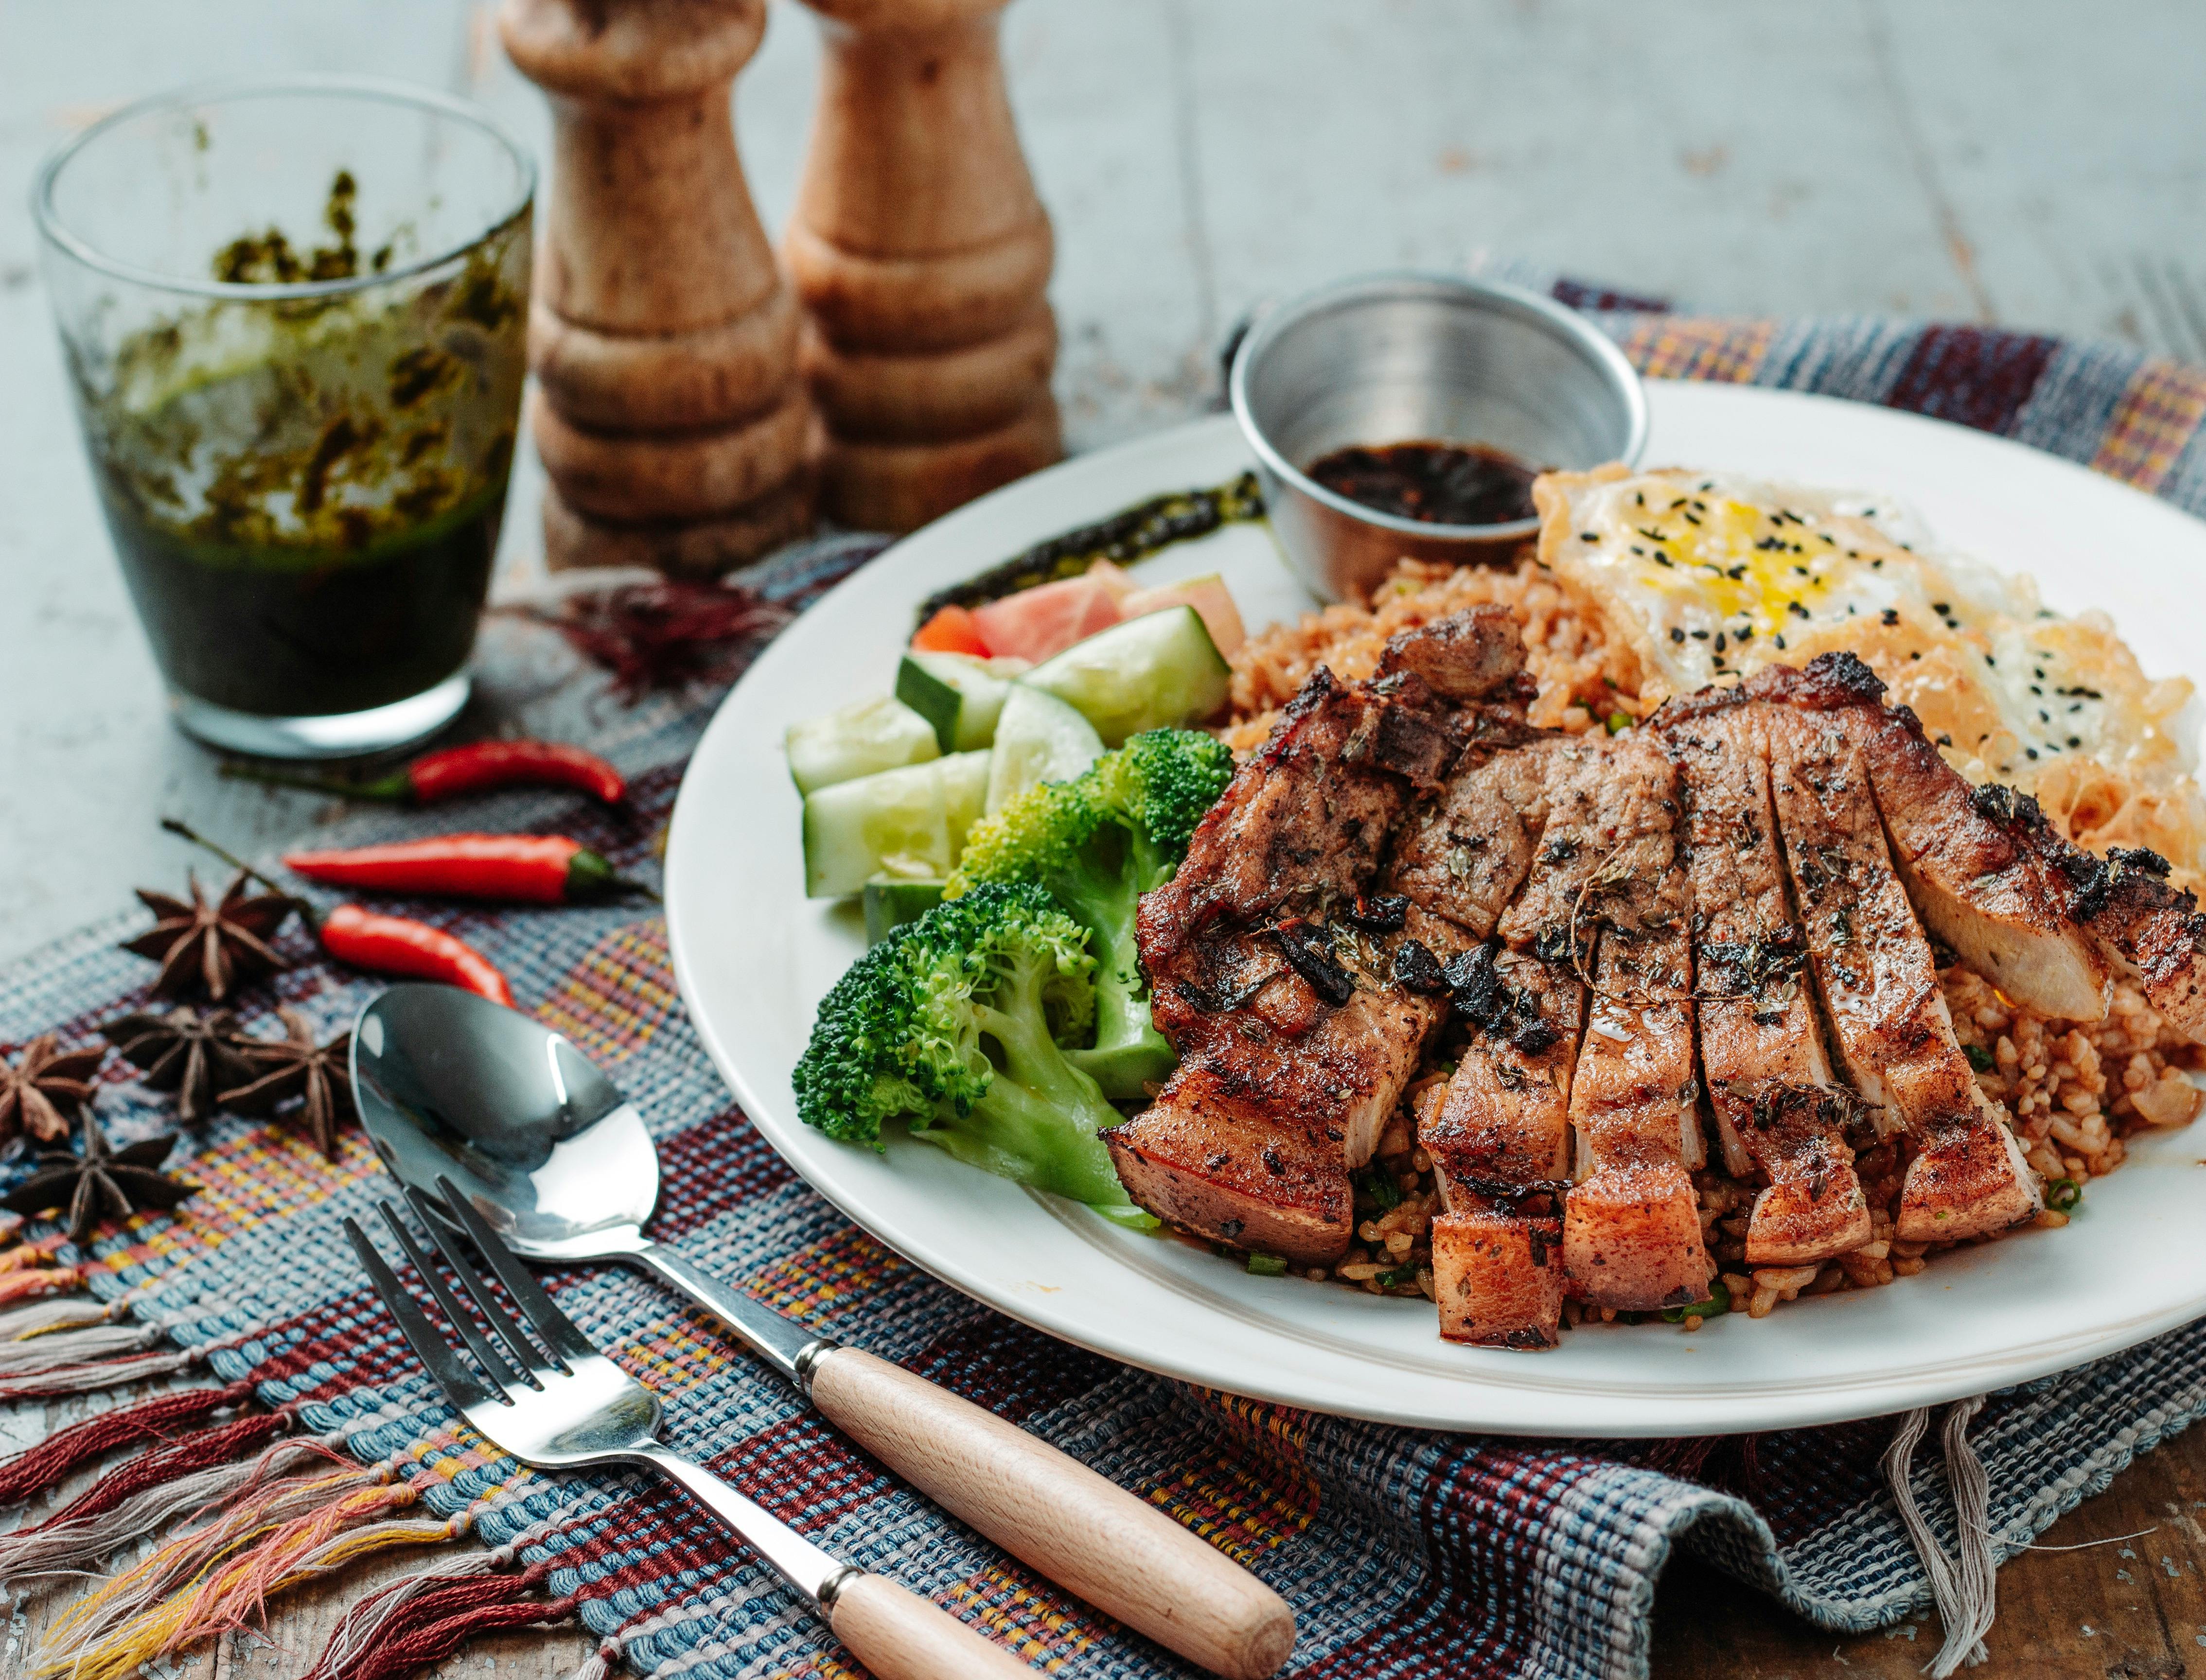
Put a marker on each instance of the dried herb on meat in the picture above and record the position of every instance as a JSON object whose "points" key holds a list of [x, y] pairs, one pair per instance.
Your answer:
{"points": [[1309, 946], [100, 1184], [38, 1092], [185, 1051], [216, 947], [296, 1066]]}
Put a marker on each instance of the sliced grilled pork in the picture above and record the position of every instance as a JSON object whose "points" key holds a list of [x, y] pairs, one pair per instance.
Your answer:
{"points": [[1294, 1036], [1307, 819], [1977, 883], [1464, 856], [1879, 984], [1499, 1136], [1606, 868], [2148, 927], [1762, 1052], [1499, 1131], [1201, 1162]]}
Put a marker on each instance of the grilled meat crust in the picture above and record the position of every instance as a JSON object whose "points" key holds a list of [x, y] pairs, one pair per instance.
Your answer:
{"points": [[1498, 1278], [1202, 1163], [1295, 1039], [2146, 926], [1607, 867], [1307, 819], [1504, 1119], [1563, 893], [1762, 1051], [1977, 883], [1879, 984], [1464, 856]]}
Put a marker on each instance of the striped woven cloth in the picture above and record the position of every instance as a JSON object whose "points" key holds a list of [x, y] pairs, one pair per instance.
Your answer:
{"points": [[1404, 1554]]}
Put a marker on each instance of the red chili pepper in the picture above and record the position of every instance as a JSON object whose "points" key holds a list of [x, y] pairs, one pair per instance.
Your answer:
{"points": [[462, 769], [400, 945], [379, 943], [511, 868]]}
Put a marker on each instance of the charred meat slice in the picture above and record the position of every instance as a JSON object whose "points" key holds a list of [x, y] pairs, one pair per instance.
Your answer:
{"points": [[1796, 1135], [1201, 1162], [1498, 1276], [1505, 1117], [2146, 926], [1472, 657], [1499, 1136], [1879, 984], [1607, 869], [1299, 824], [1269, 962], [1631, 1228], [1306, 820], [1977, 883], [1464, 856], [1243, 1007], [1758, 1033]]}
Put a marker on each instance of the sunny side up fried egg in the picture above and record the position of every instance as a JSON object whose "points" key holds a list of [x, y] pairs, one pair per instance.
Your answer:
{"points": [[1709, 577]]}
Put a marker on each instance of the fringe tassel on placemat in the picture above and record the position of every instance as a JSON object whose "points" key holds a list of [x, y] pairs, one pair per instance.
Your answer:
{"points": [[62, 1312], [61, 1454], [218, 1576], [88, 1378], [1965, 1587], [599, 1666], [155, 1491], [435, 1624]]}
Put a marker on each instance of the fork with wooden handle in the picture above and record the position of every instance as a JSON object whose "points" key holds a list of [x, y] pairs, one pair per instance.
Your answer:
{"points": [[558, 1403], [503, 1119]]}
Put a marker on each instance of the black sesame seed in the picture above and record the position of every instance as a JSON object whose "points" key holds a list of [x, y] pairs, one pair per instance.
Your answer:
{"points": [[1676, 635]]}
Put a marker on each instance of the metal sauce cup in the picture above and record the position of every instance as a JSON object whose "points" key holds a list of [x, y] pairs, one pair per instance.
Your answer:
{"points": [[1397, 358]]}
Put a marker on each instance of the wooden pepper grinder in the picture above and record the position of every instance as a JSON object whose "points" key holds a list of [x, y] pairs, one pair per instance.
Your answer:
{"points": [[922, 254], [669, 410]]}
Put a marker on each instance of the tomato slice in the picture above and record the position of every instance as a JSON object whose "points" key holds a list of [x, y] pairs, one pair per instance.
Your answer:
{"points": [[951, 630]]}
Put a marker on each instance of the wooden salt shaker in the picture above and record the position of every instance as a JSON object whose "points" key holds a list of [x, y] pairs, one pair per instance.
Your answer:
{"points": [[921, 255], [669, 411]]}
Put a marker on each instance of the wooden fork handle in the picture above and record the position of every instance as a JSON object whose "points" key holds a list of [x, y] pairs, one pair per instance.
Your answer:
{"points": [[1124, 1556], [899, 1635]]}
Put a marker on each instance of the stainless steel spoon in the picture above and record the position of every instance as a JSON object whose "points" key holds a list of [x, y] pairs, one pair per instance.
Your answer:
{"points": [[557, 1161]]}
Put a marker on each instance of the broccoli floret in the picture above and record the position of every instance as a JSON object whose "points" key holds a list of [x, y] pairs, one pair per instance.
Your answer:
{"points": [[958, 1020], [1098, 843]]}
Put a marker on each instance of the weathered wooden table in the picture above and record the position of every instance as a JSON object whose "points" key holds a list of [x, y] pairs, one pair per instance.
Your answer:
{"points": [[2018, 161]]}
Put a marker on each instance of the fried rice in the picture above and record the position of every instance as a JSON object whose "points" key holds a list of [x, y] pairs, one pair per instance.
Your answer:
{"points": [[2076, 1090]]}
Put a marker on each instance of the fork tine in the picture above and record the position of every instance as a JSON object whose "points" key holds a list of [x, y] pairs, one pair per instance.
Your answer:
{"points": [[461, 1384], [558, 1330], [531, 1358], [498, 1370]]}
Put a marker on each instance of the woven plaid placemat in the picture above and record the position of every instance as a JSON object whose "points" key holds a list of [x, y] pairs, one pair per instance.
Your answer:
{"points": [[1404, 1554]]}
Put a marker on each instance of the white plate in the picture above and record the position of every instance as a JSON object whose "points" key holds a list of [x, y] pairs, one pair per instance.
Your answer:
{"points": [[754, 957]]}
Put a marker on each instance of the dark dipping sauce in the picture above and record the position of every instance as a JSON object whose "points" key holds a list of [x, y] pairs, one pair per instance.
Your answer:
{"points": [[1436, 484]]}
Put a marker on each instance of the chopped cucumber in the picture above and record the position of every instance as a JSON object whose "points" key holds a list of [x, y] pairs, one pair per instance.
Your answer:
{"points": [[961, 695], [905, 824], [889, 904], [964, 796], [861, 738], [1154, 672], [1038, 739]]}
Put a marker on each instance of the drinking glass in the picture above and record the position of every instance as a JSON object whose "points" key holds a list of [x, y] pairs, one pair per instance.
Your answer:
{"points": [[293, 315]]}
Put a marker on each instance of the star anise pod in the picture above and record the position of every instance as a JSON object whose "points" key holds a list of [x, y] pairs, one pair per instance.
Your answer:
{"points": [[37, 1093], [296, 1066], [184, 1051], [99, 1184], [215, 946]]}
